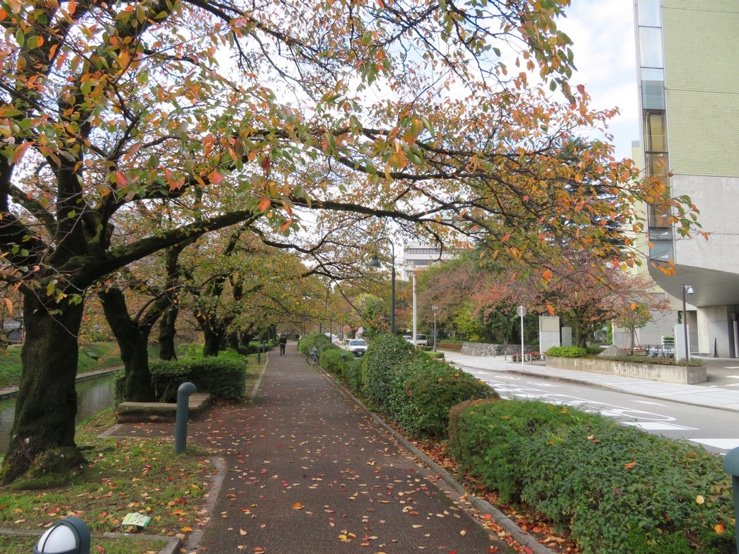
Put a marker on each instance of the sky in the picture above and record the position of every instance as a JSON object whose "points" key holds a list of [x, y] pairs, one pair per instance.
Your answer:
{"points": [[604, 45]]}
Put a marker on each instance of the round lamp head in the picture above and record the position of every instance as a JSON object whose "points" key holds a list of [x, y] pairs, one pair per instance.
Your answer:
{"points": [[67, 536]]}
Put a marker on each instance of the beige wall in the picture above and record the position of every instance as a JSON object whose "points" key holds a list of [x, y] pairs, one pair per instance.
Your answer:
{"points": [[701, 45]]}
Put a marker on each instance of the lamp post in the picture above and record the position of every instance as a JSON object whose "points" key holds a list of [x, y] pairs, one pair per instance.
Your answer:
{"points": [[375, 262], [687, 289], [521, 311], [435, 309], [412, 272]]}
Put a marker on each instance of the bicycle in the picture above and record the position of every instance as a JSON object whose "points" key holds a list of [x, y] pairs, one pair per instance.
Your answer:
{"points": [[312, 358]]}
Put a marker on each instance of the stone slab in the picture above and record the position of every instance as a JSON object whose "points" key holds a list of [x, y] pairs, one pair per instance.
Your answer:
{"points": [[138, 412]]}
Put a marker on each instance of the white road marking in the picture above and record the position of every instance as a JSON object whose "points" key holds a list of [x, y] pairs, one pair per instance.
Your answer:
{"points": [[725, 444], [650, 426], [649, 403]]}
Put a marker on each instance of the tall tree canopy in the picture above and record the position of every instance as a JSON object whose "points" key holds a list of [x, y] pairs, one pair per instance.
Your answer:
{"points": [[230, 112]]}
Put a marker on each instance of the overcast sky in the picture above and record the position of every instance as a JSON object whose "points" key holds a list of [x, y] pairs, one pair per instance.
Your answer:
{"points": [[604, 46]]}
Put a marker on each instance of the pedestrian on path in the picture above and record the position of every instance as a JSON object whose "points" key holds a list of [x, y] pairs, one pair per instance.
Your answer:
{"points": [[283, 343]]}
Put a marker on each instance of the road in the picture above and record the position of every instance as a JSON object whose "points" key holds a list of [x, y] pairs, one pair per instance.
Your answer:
{"points": [[715, 429]]}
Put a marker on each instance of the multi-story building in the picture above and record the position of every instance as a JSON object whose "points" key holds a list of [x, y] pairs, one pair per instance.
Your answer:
{"points": [[689, 99], [419, 255]]}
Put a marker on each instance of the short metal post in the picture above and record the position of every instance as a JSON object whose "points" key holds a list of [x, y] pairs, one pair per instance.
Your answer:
{"points": [[180, 432], [731, 465]]}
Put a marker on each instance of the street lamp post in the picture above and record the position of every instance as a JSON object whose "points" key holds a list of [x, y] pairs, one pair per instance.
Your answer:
{"points": [[687, 289], [412, 272], [375, 262], [521, 311], [435, 309]]}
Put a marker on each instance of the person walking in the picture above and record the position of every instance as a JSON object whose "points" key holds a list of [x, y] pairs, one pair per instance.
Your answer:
{"points": [[283, 342]]}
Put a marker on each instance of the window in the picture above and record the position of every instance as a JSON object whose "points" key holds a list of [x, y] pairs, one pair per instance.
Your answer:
{"points": [[650, 47], [649, 13], [653, 88], [655, 135]]}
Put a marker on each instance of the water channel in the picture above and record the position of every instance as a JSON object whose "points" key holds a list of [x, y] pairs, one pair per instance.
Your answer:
{"points": [[93, 396]]}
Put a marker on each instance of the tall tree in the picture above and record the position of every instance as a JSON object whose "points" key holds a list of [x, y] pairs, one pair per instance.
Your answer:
{"points": [[105, 105]]}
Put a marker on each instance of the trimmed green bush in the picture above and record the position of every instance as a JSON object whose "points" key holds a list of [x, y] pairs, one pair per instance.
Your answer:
{"points": [[352, 375], [331, 359], [618, 489], [567, 351], [223, 376], [344, 366], [319, 340], [488, 439], [423, 392], [380, 365]]}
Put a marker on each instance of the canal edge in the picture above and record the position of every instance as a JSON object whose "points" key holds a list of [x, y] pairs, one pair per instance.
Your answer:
{"points": [[12, 392]]}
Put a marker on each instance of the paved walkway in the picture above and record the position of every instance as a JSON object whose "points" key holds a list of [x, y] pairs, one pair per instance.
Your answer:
{"points": [[308, 470]]}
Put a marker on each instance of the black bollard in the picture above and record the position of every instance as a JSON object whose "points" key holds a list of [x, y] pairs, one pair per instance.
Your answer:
{"points": [[183, 400]]}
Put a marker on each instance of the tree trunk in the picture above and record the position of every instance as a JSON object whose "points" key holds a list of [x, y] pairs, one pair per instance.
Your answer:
{"points": [[167, 333], [46, 406], [213, 339], [133, 341], [234, 339]]}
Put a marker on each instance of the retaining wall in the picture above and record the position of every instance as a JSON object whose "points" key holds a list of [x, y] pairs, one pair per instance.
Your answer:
{"points": [[656, 372], [484, 349]]}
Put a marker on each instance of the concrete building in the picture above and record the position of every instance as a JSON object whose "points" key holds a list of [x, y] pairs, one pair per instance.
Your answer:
{"points": [[417, 255], [689, 99]]}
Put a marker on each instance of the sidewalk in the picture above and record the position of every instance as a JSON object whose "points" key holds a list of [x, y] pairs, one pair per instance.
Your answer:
{"points": [[721, 391], [309, 470]]}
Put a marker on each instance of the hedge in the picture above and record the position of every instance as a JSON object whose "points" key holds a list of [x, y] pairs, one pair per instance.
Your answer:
{"points": [[617, 489], [223, 376], [319, 340], [423, 392], [380, 365], [567, 351]]}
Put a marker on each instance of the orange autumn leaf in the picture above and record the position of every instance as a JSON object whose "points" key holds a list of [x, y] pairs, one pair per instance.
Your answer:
{"points": [[264, 204], [297, 506]]}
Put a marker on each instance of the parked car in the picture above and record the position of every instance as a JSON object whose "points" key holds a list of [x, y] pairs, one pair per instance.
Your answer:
{"points": [[409, 338], [422, 340], [357, 347]]}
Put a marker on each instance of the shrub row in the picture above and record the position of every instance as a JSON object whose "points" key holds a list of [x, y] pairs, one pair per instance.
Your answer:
{"points": [[319, 340], [618, 489], [408, 386], [223, 376], [567, 351]]}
